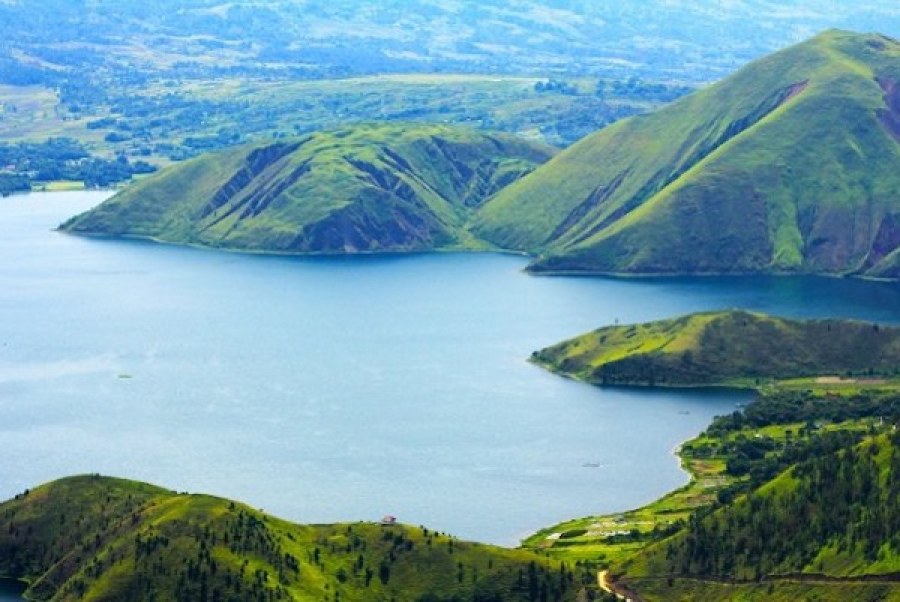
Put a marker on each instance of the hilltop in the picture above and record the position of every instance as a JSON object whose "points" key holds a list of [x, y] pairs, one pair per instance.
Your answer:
{"points": [[791, 165], [389, 187], [733, 347], [100, 538]]}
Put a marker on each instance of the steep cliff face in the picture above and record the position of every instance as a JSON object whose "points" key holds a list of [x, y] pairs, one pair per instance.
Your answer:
{"points": [[361, 189]]}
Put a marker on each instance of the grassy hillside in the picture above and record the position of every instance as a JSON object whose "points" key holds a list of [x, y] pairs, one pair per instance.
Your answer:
{"points": [[727, 347], [98, 538], [362, 188], [792, 164], [834, 516]]}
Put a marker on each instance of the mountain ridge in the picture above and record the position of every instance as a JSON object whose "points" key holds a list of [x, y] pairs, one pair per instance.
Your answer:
{"points": [[369, 188], [785, 166]]}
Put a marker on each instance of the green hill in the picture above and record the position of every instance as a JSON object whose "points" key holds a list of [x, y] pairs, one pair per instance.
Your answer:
{"points": [[829, 526], [358, 189], [726, 347], [99, 538], [792, 164]]}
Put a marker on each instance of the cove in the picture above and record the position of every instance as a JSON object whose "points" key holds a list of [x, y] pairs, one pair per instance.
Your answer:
{"points": [[341, 389]]}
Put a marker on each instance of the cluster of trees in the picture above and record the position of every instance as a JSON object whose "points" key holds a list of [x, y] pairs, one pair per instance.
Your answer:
{"points": [[844, 502], [632, 88], [785, 407], [557, 86], [10, 183], [636, 88], [24, 163], [756, 458]]}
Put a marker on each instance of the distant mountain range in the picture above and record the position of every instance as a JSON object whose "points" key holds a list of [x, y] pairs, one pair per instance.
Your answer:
{"points": [[686, 39], [790, 165]]}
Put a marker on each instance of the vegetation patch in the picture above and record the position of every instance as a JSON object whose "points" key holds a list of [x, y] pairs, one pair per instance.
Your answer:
{"points": [[748, 453], [731, 348], [98, 538]]}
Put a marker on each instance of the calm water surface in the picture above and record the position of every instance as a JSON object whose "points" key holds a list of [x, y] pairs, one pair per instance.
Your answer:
{"points": [[11, 590], [344, 389]]}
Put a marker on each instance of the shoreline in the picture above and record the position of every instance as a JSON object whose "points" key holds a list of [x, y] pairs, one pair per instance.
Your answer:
{"points": [[549, 531], [475, 249]]}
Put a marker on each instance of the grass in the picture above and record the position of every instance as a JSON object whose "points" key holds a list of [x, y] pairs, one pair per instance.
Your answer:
{"points": [[761, 172], [608, 540], [842, 554], [159, 116], [722, 345], [633, 541], [614, 537], [58, 186]]}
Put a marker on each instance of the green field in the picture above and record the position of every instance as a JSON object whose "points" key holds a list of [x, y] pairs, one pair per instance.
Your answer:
{"points": [[173, 120]]}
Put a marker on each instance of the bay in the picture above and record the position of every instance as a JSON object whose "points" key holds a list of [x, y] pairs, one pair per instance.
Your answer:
{"points": [[336, 389]]}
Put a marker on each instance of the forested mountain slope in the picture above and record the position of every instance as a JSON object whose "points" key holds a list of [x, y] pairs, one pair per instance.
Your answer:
{"points": [[99, 538], [831, 520]]}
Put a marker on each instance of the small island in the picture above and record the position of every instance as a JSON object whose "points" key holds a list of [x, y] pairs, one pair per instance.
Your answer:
{"points": [[732, 348]]}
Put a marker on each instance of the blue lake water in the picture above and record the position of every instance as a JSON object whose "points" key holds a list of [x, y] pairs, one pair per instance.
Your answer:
{"points": [[11, 590], [344, 389]]}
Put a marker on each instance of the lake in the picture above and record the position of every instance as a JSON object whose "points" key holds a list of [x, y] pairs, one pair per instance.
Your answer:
{"points": [[11, 590], [336, 389]]}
